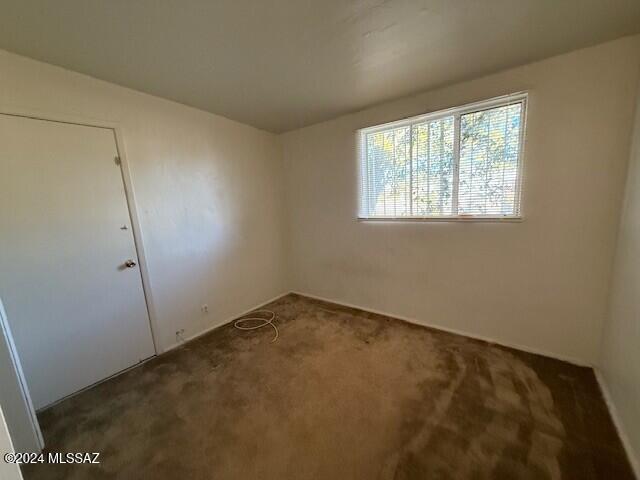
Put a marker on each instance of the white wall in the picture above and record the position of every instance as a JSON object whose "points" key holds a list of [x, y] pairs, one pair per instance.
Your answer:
{"points": [[620, 362], [540, 284], [208, 190], [211, 196]]}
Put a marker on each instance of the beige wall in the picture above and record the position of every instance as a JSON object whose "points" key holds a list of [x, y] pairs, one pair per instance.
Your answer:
{"points": [[208, 192], [211, 196], [620, 361], [540, 284]]}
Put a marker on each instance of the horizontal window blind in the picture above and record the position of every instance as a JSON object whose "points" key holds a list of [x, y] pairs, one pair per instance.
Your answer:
{"points": [[459, 163]]}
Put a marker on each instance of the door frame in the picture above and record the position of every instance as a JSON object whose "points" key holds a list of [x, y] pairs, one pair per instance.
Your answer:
{"points": [[21, 384], [130, 197]]}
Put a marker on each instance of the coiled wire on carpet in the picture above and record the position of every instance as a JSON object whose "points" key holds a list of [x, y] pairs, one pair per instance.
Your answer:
{"points": [[270, 316]]}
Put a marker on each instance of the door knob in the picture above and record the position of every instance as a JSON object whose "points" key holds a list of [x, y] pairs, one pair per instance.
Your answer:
{"points": [[130, 263]]}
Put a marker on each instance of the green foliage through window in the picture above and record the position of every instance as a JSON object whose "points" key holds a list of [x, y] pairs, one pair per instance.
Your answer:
{"points": [[466, 163]]}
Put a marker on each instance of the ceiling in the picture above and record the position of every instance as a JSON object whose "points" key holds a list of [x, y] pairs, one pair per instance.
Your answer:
{"points": [[283, 64]]}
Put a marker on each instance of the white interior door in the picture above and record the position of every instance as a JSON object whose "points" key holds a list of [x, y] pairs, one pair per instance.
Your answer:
{"points": [[77, 312]]}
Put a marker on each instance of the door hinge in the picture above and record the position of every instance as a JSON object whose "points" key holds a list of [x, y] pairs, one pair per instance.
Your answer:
{"points": [[117, 160]]}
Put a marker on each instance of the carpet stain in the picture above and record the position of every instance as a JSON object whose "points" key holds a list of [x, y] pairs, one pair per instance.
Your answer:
{"points": [[342, 394]]}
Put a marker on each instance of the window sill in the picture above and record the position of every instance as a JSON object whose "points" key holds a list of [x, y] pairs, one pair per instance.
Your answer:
{"points": [[463, 219]]}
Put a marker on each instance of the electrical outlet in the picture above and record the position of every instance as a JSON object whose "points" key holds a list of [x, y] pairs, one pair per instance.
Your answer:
{"points": [[205, 308], [180, 335]]}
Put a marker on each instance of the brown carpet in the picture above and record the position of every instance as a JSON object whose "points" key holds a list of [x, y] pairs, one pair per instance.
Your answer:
{"points": [[343, 394]]}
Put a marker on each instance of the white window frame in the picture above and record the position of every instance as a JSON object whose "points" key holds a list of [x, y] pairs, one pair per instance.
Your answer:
{"points": [[456, 112]]}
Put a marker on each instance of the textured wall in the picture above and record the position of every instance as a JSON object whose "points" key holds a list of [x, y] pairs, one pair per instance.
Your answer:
{"points": [[620, 362], [540, 284], [208, 192]]}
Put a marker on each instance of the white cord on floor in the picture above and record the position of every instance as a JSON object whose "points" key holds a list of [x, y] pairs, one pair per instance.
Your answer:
{"points": [[263, 322]]}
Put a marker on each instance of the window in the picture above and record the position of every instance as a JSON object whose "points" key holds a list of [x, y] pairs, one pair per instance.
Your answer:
{"points": [[461, 163]]}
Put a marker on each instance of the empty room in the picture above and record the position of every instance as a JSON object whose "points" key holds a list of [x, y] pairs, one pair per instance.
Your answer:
{"points": [[337, 239]]}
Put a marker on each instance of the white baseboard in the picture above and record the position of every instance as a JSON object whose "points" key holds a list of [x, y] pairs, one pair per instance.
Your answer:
{"points": [[603, 387], [170, 347], [524, 348], [617, 421], [635, 464], [222, 322]]}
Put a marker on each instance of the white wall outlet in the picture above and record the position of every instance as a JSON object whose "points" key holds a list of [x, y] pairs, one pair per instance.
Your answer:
{"points": [[205, 308], [180, 335]]}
